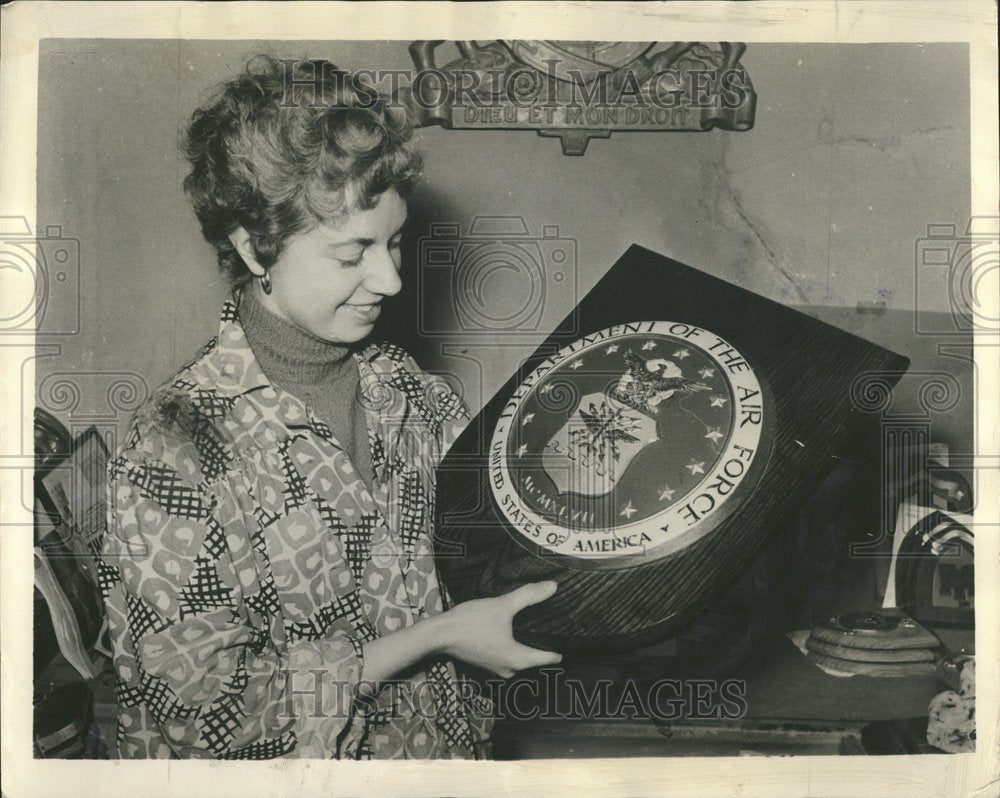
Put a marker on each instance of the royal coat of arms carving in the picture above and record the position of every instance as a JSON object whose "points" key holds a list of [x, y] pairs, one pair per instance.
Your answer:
{"points": [[579, 90]]}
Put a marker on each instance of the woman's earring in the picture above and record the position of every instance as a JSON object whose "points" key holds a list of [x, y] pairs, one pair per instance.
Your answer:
{"points": [[265, 282]]}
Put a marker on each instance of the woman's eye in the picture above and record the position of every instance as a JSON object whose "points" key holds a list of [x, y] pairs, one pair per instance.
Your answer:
{"points": [[349, 262], [395, 244]]}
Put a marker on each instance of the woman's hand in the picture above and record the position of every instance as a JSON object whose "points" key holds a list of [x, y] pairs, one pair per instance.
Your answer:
{"points": [[480, 632]]}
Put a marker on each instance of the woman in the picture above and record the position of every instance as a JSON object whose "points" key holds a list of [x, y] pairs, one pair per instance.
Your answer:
{"points": [[268, 571]]}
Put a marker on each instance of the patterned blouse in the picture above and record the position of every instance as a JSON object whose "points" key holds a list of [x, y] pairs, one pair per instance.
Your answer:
{"points": [[246, 563]]}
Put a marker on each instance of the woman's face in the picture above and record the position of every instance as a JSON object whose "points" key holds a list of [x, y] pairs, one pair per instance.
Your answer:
{"points": [[331, 280]]}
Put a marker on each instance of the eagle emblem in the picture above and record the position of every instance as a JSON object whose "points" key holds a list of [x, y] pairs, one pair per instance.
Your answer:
{"points": [[646, 383], [590, 453]]}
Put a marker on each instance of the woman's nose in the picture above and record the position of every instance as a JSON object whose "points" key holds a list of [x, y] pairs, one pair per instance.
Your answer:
{"points": [[383, 275]]}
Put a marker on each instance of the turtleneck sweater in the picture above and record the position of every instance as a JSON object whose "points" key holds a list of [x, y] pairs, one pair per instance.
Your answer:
{"points": [[322, 374]]}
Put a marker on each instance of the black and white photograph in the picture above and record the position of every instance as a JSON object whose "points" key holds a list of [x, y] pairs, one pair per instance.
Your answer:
{"points": [[610, 413]]}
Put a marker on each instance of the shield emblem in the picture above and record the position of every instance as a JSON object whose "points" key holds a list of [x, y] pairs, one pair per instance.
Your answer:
{"points": [[587, 60], [598, 442]]}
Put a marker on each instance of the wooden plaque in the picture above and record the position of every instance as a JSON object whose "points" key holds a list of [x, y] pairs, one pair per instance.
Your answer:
{"points": [[643, 455]]}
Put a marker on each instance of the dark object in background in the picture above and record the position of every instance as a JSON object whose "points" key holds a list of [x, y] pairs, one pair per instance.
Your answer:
{"points": [[905, 736], [818, 376], [53, 442], [62, 718], [69, 517], [935, 572], [68, 614], [949, 670]]}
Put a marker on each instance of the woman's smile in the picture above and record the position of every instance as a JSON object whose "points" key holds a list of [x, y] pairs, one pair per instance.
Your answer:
{"points": [[367, 311]]}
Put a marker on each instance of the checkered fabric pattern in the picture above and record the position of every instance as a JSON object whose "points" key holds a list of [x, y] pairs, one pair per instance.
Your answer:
{"points": [[413, 520], [238, 559]]}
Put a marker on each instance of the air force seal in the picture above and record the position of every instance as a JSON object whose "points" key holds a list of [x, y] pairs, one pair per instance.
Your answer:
{"points": [[633, 441]]}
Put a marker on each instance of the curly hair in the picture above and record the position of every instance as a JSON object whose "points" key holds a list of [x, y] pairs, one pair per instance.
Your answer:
{"points": [[278, 162]]}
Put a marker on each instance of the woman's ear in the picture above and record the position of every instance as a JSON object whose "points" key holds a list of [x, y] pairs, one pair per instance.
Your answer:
{"points": [[240, 239]]}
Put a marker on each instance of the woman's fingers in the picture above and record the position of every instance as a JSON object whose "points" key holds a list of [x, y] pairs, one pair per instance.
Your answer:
{"points": [[528, 657], [524, 656], [529, 594]]}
